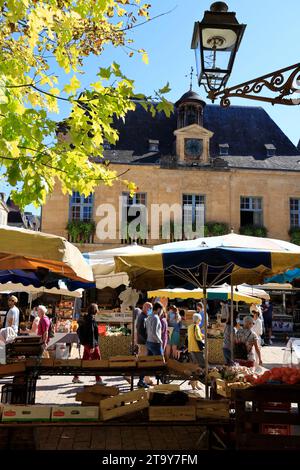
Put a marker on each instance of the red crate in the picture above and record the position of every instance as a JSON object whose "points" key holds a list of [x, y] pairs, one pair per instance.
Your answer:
{"points": [[276, 429], [280, 406]]}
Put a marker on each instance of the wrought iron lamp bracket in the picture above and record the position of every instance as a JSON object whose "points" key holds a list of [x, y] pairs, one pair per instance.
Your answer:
{"points": [[284, 83]]}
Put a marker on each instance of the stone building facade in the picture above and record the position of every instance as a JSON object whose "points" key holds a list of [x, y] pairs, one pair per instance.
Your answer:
{"points": [[234, 162]]}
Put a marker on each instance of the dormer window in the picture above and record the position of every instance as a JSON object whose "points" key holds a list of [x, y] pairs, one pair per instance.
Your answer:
{"points": [[224, 149], [271, 150], [153, 145]]}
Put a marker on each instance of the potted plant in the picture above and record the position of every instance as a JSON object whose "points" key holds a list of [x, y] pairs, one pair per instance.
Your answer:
{"points": [[215, 229], [81, 231], [254, 230], [294, 234]]}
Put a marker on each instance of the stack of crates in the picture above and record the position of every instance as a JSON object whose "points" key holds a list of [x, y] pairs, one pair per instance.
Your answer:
{"points": [[277, 429]]}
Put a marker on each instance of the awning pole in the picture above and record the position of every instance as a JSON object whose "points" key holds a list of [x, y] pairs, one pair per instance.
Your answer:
{"points": [[30, 305], [205, 269]]}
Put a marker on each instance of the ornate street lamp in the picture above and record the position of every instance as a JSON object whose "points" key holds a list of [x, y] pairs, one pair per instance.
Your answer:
{"points": [[216, 40]]}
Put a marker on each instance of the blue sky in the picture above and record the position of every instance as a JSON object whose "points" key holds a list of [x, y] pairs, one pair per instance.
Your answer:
{"points": [[271, 41]]}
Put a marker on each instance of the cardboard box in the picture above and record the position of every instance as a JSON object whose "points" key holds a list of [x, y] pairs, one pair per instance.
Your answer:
{"points": [[75, 413], [23, 413]]}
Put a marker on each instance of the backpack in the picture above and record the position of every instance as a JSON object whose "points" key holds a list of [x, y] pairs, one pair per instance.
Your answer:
{"points": [[240, 350], [51, 331]]}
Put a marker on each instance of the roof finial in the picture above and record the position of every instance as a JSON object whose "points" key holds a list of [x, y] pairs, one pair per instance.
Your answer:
{"points": [[191, 74]]}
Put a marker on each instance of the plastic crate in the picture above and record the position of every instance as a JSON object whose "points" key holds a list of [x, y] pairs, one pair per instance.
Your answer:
{"points": [[19, 393], [280, 406]]}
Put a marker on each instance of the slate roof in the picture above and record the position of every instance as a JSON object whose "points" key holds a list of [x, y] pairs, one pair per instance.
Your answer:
{"points": [[291, 163], [245, 129]]}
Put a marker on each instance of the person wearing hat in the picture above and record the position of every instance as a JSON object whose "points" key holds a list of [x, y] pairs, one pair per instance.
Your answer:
{"points": [[13, 314]]}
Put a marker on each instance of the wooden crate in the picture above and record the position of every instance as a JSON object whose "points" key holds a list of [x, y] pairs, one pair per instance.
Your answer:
{"points": [[102, 390], [95, 364], [122, 361], [67, 363], [123, 404], [182, 369], [91, 398], [172, 413], [166, 388], [215, 409], [150, 361], [11, 369], [224, 388]]}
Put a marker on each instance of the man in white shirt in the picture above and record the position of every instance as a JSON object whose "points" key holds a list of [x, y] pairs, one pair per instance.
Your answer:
{"points": [[12, 316]]}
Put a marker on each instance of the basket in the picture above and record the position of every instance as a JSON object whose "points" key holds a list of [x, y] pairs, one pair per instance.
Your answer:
{"points": [[19, 393]]}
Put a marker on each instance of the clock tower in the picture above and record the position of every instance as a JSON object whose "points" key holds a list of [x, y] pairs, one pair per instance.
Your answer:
{"points": [[192, 140]]}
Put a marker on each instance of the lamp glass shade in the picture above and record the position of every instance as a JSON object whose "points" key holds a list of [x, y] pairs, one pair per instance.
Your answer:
{"points": [[219, 38]]}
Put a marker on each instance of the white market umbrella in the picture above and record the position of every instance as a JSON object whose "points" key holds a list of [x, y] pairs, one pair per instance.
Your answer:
{"points": [[253, 291], [103, 265], [10, 287]]}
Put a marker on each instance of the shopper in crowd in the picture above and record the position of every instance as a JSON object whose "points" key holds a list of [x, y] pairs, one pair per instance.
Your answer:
{"points": [[174, 322], [224, 311], [246, 344], [164, 329], [200, 311], [258, 329], [43, 327], [12, 316], [89, 338], [141, 337], [196, 345], [228, 341], [267, 311], [7, 335], [153, 328]]}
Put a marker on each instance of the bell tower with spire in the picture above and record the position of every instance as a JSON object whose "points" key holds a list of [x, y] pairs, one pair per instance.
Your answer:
{"points": [[190, 107], [192, 140]]}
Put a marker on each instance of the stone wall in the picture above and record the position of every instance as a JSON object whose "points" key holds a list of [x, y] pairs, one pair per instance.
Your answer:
{"points": [[222, 189]]}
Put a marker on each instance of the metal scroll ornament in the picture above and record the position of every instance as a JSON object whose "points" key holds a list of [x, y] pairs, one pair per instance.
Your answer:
{"points": [[283, 85]]}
